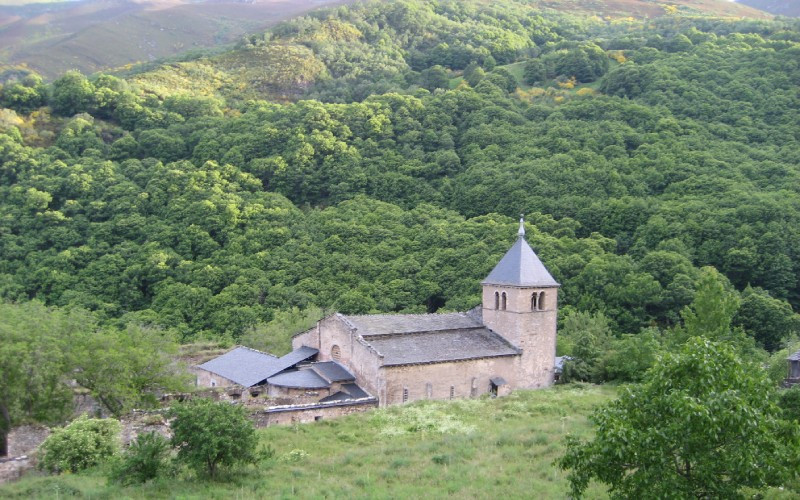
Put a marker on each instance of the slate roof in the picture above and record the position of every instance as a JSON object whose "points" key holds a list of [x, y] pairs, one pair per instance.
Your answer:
{"points": [[243, 366], [794, 357], [299, 379], [332, 371], [294, 357], [385, 324], [440, 346], [248, 367], [349, 391], [520, 266]]}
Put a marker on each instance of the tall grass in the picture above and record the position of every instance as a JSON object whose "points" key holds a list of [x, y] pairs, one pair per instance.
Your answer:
{"points": [[477, 448]]}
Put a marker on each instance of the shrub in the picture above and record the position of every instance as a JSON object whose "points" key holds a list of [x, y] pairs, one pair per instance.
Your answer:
{"points": [[84, 443], [209, 435], [145, 459]]}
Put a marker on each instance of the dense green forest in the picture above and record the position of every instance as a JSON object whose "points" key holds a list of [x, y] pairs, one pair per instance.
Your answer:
{"points": [[374, 158]]}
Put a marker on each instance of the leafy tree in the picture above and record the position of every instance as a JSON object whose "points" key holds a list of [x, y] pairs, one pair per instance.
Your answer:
{"points": [[435, 77], [24, 96], [34, 354], [72, 93], [535, 71], [126, 369], [771, 321], [703, 424], [210, 435], [589, 335], [84, 443]]}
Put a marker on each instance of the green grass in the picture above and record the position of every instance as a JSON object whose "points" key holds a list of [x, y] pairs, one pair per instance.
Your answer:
{"points": [[480, 448]]}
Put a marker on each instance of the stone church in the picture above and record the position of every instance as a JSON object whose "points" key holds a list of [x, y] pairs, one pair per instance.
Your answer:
{"points": [[506, 343]]}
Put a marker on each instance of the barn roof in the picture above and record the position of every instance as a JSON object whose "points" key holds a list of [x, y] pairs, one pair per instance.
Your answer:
{"points": [[242, 365], [248, 367], [520, 266], [440, 346]]}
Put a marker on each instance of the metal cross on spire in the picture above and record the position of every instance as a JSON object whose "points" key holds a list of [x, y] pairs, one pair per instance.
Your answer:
{"points": [[521, 231]]}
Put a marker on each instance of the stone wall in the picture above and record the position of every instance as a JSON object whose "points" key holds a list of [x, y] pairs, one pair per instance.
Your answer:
{"points": [[533, 331], [295, 414], [462, 379]]}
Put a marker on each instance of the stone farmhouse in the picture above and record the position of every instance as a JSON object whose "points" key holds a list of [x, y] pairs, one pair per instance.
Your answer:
{"points": [[508, 342]]}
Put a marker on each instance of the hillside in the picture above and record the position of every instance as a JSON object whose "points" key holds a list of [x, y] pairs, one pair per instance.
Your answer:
{"points": [[93, 35], [789, 8], [641, 150], [469, 448]]}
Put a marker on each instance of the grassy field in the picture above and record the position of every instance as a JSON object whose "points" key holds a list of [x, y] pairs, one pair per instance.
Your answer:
{"points": [[479, 448]]}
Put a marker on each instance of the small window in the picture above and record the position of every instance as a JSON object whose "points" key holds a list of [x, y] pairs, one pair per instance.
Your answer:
{"points": [[503, 301], [497, 300], [336, 353], [452, 391], [213, 383], [541, 301], [534, 301], [405, 394], [317, 418]]}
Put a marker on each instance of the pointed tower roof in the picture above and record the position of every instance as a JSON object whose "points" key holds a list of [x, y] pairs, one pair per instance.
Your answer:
{"points": [[520, 266]]}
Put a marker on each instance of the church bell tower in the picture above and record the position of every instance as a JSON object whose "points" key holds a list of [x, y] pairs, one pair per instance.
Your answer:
{"points": [[520, 302]]}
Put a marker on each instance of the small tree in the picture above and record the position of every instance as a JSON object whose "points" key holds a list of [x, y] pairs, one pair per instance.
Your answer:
{"points": [[702, 425], [209, 435], [145, 459], [84, 443]]}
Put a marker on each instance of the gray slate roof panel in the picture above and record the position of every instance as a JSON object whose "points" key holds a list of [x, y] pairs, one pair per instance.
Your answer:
{"points": [[332, 371], [520, 266], [299, 379], [294, 357], [794, 357], [355, 391], [439, 346], [385, 324], [243, 366], [249, 367]]}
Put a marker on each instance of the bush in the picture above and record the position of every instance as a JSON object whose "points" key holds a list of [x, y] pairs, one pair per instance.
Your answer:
{"points": [[145, 459], [84, 443], [209, 435]]}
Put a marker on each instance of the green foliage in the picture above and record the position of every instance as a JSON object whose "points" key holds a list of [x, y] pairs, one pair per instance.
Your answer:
{"points": [[72, 93], [589, 335], [275, 337], [210, 435], [34, 353], [85, 442], [770, 321], [703, 424], [146, 458], [125, 369], [628, 358], [535, 71]]}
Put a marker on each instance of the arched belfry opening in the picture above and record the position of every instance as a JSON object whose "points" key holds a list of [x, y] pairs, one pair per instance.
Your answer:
{"points": [[503, 301], [541, 301], [535, 302], [497, 300]]}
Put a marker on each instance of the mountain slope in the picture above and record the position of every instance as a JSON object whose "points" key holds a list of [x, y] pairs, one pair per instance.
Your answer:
{"points": [[93, 35], [790, 8]]}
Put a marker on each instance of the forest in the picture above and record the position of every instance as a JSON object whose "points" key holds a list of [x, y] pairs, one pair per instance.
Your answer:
{"points": [[376, 157]]}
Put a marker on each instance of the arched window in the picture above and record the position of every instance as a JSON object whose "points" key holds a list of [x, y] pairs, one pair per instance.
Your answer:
{"points": [[497, 300], [336, 353], [534, 301], [541, 301], [503, 301]]}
